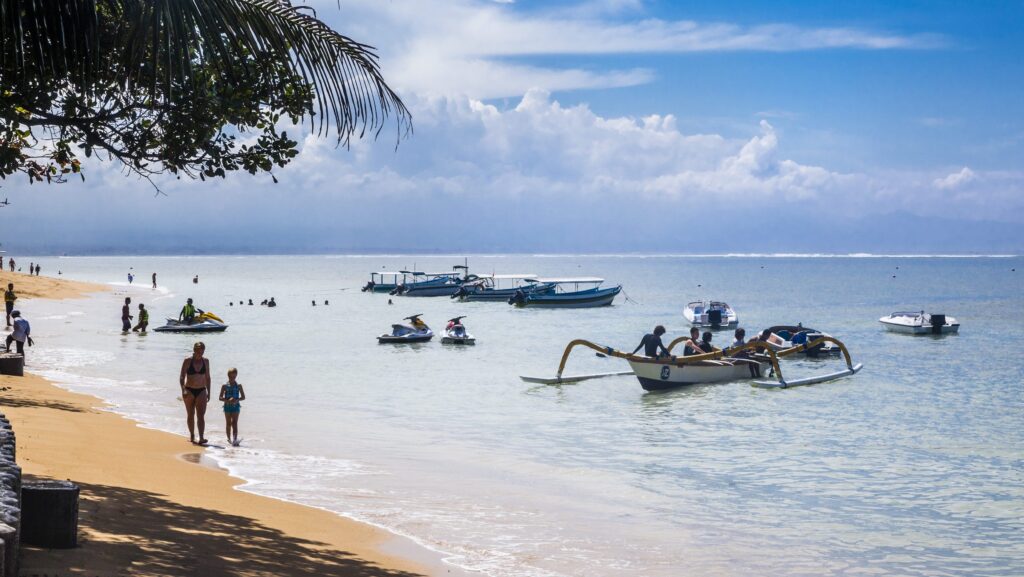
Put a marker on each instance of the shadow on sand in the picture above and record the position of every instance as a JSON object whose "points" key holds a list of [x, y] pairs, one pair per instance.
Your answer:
{"points": [[131, 532]]}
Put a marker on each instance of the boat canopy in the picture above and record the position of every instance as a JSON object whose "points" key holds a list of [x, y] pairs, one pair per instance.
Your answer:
{"points": [[529, 277], [568, 280]]}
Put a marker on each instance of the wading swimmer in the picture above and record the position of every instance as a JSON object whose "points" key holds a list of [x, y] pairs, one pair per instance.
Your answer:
{"points": [[143, 319], [126, 315], [232, 394], [195, 390]]}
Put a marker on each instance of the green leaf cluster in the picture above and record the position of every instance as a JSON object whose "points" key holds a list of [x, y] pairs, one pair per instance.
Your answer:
{"points": [[187, 87]]}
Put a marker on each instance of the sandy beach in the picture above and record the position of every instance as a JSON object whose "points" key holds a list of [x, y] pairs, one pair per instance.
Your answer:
{"points": [[150, 505]]}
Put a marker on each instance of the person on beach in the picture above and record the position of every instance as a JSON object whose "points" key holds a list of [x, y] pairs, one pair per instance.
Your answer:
{"points": [[131, 277], [154, 280], [9, 298], [231, 394], [691, 347], [21, 333], [31, 269], [188, 313], [143, 319], [195, 391], [11, 263], [126, 315], [652, 345], [38, 268]]}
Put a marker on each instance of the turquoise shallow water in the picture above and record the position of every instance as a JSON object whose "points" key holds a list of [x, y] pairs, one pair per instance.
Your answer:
{"points": [[912, 467]]}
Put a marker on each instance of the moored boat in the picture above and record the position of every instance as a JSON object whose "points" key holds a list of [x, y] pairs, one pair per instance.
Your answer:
{"points": [[920, 323], [501, 287], [205, 322], [711, 314], [562, 298], [416, 331], [795, 335], [385, 282], [455, 333]]}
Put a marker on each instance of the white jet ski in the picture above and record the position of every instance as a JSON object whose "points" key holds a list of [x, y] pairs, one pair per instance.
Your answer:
{"points": [[203, 323], [416, 331], [455, 333]]}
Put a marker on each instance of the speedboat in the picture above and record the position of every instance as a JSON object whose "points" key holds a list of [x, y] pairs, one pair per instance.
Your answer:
{"points": [[796, 335], [416, 331], [920, 323], [561, 298], [711, 314], [455, 333], [204, 323]]}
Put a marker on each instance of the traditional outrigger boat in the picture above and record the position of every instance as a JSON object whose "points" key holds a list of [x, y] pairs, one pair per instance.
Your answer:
{"points": [[563, 299], [495, 287], [753, 360], [793, 335], [711, 314], [920, 323]]}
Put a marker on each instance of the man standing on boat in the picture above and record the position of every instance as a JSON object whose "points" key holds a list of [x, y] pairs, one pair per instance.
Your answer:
{"points": [[652, 345]]}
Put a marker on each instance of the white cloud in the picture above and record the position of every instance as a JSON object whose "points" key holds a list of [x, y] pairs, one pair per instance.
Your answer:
{"points": [[455, 47], [956, 180]]}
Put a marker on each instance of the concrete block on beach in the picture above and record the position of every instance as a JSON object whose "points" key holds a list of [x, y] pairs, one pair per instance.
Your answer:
{"points": [[12, 364], [10, 533], [50, 514]]}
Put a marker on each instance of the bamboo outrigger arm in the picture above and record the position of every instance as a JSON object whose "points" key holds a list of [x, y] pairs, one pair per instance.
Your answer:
{"points": [[677, 361]]}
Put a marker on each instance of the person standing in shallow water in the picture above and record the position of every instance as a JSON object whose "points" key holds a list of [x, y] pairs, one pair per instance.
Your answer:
{"points": [[154, 280], [195, 391], [126, 315], [232, 393]]}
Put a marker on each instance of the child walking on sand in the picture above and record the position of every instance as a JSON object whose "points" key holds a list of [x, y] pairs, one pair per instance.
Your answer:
{"points": [[232, 393]]}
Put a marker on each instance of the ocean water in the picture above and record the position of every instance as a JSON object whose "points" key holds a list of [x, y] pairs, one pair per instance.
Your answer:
{"points": [[915, 466]]}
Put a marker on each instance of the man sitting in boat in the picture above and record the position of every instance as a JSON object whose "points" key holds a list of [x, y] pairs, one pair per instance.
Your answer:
{"points": [[652, 345], [692, 346], [705, 343], [188, 313]]}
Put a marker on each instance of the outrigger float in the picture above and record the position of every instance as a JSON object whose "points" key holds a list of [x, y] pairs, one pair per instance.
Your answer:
{"points": [[731, 364]]}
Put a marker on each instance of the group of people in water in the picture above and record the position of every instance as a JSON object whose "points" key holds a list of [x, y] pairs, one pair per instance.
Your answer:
{"points": [[266, 302], [699, 344]]}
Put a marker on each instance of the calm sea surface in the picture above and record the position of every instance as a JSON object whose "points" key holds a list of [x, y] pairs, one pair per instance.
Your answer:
{"points": [[915, 466]]}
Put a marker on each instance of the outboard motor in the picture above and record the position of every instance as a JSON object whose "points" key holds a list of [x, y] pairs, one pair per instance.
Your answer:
{"points": [[397, 290], [460, 293], [715, 317], [938, 321], [369, 286], [518, 298]]}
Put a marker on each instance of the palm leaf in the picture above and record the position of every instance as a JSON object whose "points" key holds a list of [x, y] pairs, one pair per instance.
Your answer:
{"points": [[163, 44]]}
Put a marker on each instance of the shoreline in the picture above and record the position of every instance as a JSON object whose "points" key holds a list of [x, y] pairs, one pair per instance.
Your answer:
{"points": [[151, 504]]}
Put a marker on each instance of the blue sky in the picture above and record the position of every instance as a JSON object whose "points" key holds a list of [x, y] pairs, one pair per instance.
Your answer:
{"points": [[624, 126]]}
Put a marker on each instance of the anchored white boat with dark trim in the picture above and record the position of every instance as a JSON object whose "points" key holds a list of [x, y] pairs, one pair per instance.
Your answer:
{"points": [[920, 323]]}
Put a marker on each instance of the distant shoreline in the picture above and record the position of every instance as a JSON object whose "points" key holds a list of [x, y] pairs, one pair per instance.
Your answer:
{"points": [[115, 254]]}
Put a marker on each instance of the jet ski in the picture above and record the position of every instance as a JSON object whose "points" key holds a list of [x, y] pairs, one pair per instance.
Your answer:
{"points": [[455, 333], [203, 323], [416, 331]]}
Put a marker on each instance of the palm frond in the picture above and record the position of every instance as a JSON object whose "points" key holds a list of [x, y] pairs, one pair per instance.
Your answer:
{"points": [[163, 45]]}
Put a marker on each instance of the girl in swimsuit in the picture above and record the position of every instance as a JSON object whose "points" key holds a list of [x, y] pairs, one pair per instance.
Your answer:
{"points": [[231, 393], [195, 390]]}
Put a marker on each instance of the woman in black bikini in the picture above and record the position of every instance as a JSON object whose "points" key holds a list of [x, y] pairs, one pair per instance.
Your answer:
{"points": [[195, 390]]}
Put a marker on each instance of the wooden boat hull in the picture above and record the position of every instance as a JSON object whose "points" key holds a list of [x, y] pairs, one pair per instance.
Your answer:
{"points": [[575, 300], [504, 294], [658, 375], [445, 290]]}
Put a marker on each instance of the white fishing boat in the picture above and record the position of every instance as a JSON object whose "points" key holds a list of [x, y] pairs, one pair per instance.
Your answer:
{"points": [[660, 374], [711, 314], [920, 323]]}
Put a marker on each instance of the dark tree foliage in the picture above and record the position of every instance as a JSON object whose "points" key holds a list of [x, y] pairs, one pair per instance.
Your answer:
{"points": [[194, 87]]}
